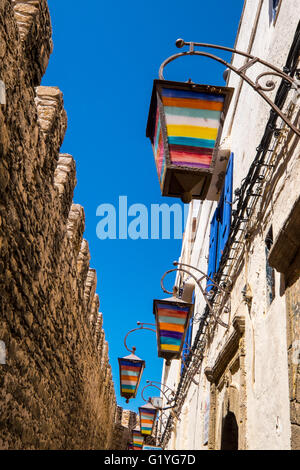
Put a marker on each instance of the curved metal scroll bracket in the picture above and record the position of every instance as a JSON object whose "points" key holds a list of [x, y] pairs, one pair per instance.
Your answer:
{"points": [[165, 390], [269, 86], [181, 268], [142, 327]]}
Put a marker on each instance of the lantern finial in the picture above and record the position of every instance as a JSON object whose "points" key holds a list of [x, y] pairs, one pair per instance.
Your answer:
{"points": [[179, 43]]}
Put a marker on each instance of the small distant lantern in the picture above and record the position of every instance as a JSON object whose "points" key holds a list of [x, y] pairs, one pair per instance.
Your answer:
{"points": [[137, 439], [172, 316], [184, 126], [131, 368], [148, 414]]}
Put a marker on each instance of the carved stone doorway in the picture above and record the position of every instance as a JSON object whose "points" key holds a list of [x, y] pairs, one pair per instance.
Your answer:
{"points": [[228, 400]]}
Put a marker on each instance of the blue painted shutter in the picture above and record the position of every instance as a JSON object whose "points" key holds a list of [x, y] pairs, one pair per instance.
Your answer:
{"points": [[274, 8], [225, 211], [220, 223], [213, 243]]}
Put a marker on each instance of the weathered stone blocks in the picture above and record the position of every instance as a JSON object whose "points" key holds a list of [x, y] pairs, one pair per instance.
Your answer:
{"points": [[56, 388]]}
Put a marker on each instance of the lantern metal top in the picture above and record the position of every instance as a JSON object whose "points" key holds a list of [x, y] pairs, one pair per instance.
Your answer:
{"points": [[132, 357], [148, 406], [174, 299]]}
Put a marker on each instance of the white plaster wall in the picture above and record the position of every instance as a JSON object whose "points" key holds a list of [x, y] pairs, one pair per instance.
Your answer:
{"points": [[268, 419]]}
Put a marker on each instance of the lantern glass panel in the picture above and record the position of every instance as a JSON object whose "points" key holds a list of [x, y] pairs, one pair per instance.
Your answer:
{"points": [[184, 128], [131, 369], [137, 440], [148, 415], [172, 317]]}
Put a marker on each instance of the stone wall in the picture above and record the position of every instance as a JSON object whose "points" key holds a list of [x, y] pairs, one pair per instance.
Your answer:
{"points": [[293, 311], [56, 388], [285, 258], [126, 420]]}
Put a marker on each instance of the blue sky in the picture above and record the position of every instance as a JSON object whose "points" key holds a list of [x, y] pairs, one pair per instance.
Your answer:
{"points": [[105, 57]]}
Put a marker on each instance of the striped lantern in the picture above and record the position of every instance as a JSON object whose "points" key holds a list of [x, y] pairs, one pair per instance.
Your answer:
{"points": [[172, 316], [137, 439], [131, 368], [184, 126], [148, 414]]}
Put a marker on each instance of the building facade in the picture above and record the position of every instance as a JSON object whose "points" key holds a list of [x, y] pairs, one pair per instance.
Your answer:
{"points": [[239, 387]]}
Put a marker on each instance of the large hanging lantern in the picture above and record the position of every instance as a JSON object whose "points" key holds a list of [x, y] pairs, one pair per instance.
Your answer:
{"points": [[137, 439], [172, 316], [148, 414], [131, 368], [184, 126]]}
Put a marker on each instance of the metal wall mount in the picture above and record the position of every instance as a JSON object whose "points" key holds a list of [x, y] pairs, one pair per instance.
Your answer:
{"points": [[140, 327], [241, 71], [186, 268], [165, 391]]}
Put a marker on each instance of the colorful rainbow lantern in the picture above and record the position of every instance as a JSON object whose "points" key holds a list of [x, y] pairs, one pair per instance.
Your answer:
{"points": [[137, 439], [148, 414], [172, 316], [184, 126], [131, 368]]}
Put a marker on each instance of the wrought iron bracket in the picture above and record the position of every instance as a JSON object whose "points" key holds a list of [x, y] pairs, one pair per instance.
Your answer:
{"points": [[141, 327], [165, 390], [241, 71], [181, 267]]}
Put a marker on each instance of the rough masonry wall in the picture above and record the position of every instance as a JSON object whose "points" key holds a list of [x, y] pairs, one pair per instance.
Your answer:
{"points": [[293, 311], [125, 422], [56, 388]]}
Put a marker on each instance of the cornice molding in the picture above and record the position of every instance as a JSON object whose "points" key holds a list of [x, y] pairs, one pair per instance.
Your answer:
{"points": [[214, 373]]}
